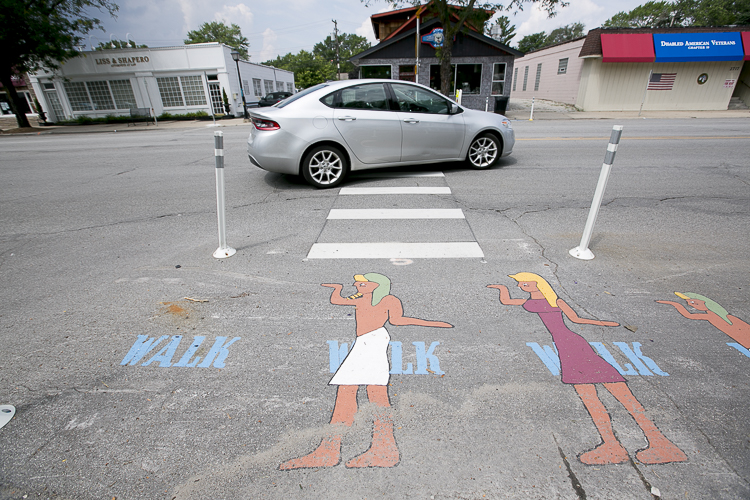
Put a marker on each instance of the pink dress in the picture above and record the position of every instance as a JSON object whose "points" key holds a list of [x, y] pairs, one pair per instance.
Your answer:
{"points": [[579, 364]]}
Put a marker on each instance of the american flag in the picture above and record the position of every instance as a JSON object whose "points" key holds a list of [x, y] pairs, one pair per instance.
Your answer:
{"points": [[661, 81]]}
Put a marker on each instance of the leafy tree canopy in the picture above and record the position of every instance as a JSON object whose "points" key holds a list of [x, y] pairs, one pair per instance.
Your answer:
{"points": [[119, 44], [455, 15], [532, 42], [308, 69], [220, 32], [564, 34], [42, 33], [505, 31], [349, 45], [663, 14]]}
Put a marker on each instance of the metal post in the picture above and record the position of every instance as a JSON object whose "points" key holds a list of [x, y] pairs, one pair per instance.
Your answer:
{"points": [[582, 250], [486, 104], [223, 251], [531, 117]]}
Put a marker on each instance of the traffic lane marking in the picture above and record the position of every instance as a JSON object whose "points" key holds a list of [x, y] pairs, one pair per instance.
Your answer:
{"points": [[394, 190], [396, 213], [396, 250], [623, 138]]}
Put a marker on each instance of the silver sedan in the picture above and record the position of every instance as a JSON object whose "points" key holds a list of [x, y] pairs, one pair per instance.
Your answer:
{"points": [[330, 129]]}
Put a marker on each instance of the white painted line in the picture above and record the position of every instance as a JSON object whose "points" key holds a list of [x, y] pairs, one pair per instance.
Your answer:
{"points": [[395, 175], [397, 213], [395, 190], [447, 250]]}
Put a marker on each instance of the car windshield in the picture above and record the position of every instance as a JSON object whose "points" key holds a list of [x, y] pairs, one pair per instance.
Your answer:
{"points": [[289, 100]]}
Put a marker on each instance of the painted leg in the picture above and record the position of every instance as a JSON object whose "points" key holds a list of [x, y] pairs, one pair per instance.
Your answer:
{"points": [[610, 451], [328, 453], [660, 449], [383, 451]]}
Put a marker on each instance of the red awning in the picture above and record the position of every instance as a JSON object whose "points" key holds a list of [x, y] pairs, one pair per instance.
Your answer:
{"points": [[632, 47], [746, 44]]}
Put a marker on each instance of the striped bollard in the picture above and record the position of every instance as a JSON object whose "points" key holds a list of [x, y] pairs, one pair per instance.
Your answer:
{"points": [[582, 251], [223, 251]]}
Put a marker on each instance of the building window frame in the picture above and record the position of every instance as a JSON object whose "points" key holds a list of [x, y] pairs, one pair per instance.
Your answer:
{"points": [[498, 83], [525, 78], [257, 87], [515, 77], [370, 67], [562, 66], [538, 76]]}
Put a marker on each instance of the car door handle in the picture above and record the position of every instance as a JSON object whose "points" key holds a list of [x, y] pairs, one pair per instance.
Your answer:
{"points": [[411, 120], [347, 118]]}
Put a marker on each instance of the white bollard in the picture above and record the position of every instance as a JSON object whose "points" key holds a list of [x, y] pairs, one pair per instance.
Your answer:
{"points": [[486, 104], [582, 250], [531, 117], [223, 251]]}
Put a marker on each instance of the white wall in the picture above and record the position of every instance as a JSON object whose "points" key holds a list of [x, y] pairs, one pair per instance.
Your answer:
{"points": [[552, 86]]}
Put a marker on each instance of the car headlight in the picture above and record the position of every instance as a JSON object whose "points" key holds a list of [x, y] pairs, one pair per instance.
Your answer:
{"points": [[506, 123]]}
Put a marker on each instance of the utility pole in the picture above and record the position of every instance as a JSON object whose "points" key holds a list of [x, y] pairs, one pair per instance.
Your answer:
{"points": [[336, 38]]}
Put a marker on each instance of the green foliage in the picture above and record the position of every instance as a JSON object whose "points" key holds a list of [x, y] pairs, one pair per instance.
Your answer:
{"points": [[119, 44], [506, 31], [349, 45], [220, 32], [36, 33], [649, 15], [532, 42], [308, 69], [663, 14], [564, 34]]}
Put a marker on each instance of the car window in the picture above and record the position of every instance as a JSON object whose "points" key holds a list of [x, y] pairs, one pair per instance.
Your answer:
{"points": [[286, 102], [417, 100], [371, 96]]}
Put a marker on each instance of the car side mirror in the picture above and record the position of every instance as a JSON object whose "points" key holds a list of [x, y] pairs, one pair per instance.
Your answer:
{"points": [[454, 109]]}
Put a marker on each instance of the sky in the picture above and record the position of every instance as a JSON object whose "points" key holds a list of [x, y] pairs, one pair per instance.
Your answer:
{"points": [[278, 27]]}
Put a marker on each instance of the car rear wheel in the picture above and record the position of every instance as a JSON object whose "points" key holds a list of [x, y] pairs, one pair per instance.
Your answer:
{"points": [[324, 167], [484, 152]]}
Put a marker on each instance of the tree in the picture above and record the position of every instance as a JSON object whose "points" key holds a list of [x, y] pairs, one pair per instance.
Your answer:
{"points": [[468, 13], [220, 32], [652, 14], [715, 12], [308, 69], [564, 34], [505, 30], [349, 45], [532, 42], [119, 44], [42, 33]]}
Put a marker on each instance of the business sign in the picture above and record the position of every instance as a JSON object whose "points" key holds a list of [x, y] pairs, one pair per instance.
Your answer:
{"points": [[434, 38], [686, 47]]}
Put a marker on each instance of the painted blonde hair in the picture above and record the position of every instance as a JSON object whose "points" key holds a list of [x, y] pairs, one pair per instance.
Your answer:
{"points": [[541, 284], [711, 305], [381, 291]]}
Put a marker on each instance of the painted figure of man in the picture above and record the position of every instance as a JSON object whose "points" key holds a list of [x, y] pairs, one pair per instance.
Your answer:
{"points": [[366, 364]]}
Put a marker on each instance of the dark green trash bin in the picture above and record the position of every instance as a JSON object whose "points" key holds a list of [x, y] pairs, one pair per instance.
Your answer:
{"points": [[501, 104]]}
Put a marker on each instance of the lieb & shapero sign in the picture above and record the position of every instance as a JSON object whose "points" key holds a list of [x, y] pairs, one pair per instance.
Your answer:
{"points": [[686, 47]]}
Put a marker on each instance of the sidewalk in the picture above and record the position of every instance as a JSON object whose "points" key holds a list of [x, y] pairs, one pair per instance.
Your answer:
{"points": [[8, 126]]}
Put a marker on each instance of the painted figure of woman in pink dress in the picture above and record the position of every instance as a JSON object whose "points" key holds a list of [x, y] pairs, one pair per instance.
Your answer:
{"points": [[366, 364], [582, 367]]}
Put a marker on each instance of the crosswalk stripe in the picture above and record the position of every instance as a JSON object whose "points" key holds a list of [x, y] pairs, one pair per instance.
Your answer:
{"points": [[447, 250], [398, 175], [394, 190], [397, 213]]}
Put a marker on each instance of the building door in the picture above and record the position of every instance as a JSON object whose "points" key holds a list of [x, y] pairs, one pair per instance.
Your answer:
{"points": [[55, 108], [217, 102]]}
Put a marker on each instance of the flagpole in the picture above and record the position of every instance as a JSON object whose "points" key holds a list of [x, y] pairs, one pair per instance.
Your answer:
{"points": [[646, 90]]}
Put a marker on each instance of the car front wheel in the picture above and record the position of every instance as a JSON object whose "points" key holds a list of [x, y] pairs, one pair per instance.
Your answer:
{"points": [[484, 152], [324, 167]]}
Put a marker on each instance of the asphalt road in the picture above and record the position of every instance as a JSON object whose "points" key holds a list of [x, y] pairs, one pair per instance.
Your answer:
{"points": [[106, 242]]}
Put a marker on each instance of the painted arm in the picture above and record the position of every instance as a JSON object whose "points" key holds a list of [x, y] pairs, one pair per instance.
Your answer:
{"points": [[572, 316], [396, 316], [336, 297], [505, 296], [681, 309]]}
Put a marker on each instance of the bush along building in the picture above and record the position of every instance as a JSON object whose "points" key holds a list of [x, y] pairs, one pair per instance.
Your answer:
{"points": [[182, 80], [481, 66], [621, 69]]}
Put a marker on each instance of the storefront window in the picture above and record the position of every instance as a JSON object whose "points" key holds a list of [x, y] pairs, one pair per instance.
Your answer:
{"points": [[435, 77], [406, 73], [192, 88], [122, 91], [375, 71], [99, 93], [77, 96], [268, 85], [169, 89], [172, 89], [498, 78], [256, 87], [469, 78]]}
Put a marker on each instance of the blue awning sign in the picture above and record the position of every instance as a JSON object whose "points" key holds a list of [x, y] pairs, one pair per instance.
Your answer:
{"points": [[687, 47]]}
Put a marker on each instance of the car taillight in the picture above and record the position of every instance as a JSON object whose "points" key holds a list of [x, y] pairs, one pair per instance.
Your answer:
{"points": [[261, 124]]}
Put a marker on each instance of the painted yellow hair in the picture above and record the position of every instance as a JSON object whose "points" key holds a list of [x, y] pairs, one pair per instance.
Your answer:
{"points": [[541, 284]]}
